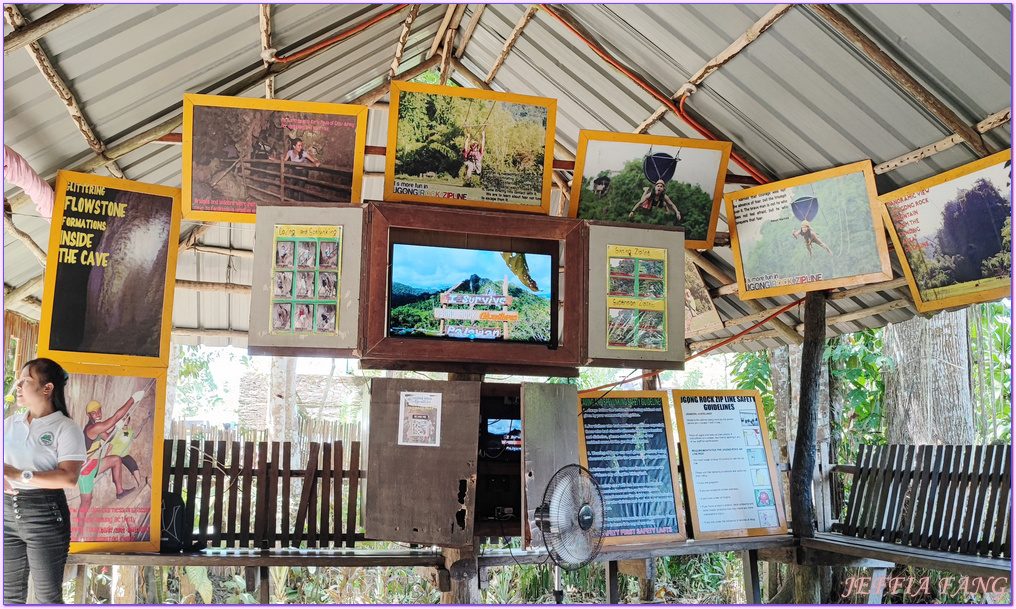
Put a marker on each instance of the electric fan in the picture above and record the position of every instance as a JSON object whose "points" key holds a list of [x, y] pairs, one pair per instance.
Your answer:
{"points": [[571, 520]]}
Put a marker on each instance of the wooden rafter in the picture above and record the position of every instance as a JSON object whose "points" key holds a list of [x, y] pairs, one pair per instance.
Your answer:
{"points": [[995, 120], [510, 42], [439, 37], [26, 239], [742, 42], [62, 15], [265, 27], [212, 286], [400, 48], [473, 22], [18, 21], [25, 290], [378, 92], [446, 57], [901, 76], [209, 333]]}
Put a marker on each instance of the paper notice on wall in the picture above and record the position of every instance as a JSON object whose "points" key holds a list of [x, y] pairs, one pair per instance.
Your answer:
{"points": [[419, 419]]}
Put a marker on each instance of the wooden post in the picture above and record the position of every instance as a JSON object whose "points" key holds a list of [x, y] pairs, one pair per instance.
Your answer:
{"points": [[805, 451], [752, 588], [613, 589]]}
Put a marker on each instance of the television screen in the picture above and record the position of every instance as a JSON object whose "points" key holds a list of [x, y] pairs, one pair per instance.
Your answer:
{"points": [[504, 436], [469, 294]]}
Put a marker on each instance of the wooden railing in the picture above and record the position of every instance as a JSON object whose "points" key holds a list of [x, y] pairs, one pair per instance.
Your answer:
{"points": [[289, 181], [249, 495]]}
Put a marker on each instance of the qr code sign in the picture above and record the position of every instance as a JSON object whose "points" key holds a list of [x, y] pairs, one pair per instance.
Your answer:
{"points": [[418, 428]]}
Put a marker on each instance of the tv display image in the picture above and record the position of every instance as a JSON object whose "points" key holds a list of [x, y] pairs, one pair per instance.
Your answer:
{"points": [[451, 293], [503, 437]]}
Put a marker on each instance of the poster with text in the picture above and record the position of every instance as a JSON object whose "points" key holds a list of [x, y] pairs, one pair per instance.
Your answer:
{"points": [[700, 315], [955, 234], [729, 470], [110, 272], [419, 418], [115, 506], [636, 298], [625, 441], [651, 180], [815, 232], [305, 279], [466, 147], [241, 152]]}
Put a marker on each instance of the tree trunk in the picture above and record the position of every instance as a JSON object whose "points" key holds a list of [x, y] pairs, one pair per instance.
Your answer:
{"points": [[172, 375], [927, 389], [785, 413]]}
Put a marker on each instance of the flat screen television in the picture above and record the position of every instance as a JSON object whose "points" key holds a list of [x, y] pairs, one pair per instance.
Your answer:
{"points": [[501, 439], [464, 294]]}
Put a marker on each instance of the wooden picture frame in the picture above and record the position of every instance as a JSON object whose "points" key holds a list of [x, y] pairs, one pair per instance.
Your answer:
{"points": [[915, 218], [421, 170], [228, 169], [389, 224], [138, 435], [318, 277], [110, 272], [700, 314], [634, 319], [647, 410], [612, 178], [728, 423], [845, 247]]}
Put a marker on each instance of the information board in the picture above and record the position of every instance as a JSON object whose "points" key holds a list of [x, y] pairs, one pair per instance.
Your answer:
{"points": [[728, 461], [626, 442]]}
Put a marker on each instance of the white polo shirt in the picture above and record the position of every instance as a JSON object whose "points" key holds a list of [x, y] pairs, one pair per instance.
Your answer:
{"points": [[42, 444]]}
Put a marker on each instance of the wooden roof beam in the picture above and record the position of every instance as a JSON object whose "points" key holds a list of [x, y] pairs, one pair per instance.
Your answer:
{"points": [[449, 42], [510, 42], [400, 48], [910, 84], [995, 120], [378, 92], [265, 27], [18, 21], [742, 42], [62, 15], [22, 295], [439, 37], [473, 22], [26, 239]]}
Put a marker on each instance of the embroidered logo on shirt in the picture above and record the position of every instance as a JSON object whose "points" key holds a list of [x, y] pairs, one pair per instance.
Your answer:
{"points": [[46, 439]]}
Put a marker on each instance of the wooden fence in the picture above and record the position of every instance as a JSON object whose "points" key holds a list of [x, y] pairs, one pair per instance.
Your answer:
{"points": [[249, 495], [294, 181]]}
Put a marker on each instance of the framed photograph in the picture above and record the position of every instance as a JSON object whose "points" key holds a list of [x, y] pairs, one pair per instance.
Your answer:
{"points": [[626, 440], [729, 469], [700, 314], [307, 302], [953, 234], [466, 147], [815, 232], [115, 506], [242, 152], [633, 318], [110, 272], [651, 180], [455, 290]]}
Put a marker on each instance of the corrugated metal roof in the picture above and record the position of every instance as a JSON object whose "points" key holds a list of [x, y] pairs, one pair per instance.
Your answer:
{"points": [[800, 98]]}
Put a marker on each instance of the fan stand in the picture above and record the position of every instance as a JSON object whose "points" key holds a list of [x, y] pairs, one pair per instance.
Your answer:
{"points": [[558, 586]]}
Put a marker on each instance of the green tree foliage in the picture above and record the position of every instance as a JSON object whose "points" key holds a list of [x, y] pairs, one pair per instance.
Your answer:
{"points": [[196, 388], [751, 371], [973, 230], [1000, 264], [991, 372], [628, 187], [856, 360]]}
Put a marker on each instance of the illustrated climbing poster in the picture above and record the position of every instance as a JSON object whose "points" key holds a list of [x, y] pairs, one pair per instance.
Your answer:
{"points": [[110, 272], [729, 470], [636, 298], [305, 279]]}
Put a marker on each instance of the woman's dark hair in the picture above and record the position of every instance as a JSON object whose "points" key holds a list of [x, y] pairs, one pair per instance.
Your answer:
{"points": [[48, 371], [295, 142]]}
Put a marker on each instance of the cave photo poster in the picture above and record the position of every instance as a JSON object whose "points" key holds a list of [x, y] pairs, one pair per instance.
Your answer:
{"points": [[651, 180], [953, 234], [814, 232], [110, 272], [241, 152], [465, 147], [121, 412]]}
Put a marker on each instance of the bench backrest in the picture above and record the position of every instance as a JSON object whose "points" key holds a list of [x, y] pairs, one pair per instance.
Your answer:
{"points": [[949, 498], [242, 494]]}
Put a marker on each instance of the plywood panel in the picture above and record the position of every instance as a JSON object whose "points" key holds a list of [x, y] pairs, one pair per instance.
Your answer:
{"points": [[550, 440], [423, 494]]}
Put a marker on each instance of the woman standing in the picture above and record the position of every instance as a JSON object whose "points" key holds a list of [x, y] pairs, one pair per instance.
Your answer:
{"points": [[43, 453]]}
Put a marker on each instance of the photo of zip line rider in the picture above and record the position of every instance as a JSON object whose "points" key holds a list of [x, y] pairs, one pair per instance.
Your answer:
{"points": [[472, 150], [98, 433], [810, 236], [655, 198]]}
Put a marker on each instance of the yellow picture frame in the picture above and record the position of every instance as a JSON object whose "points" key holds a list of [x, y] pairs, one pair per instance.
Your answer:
{"points": [[907, 205], [431, 185], [762, 220], [638, 534], [112, 387], [113, 312], [721, 400], [297, 120], [706, 161]]}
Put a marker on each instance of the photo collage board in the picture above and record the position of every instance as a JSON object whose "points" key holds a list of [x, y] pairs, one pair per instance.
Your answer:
{"points": [[305, 279], [637, 298]]}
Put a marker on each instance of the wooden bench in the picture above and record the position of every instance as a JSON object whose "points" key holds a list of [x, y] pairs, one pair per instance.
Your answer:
{"points": [[946, 508]]}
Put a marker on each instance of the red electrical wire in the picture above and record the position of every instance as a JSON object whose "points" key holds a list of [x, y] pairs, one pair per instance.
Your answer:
{"points": [[739, 334], [652, 91], [342, 36]]}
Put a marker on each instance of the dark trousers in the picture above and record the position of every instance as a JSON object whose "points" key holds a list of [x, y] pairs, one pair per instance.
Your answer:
{"points": [[37, 536]]}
